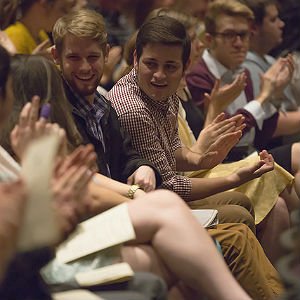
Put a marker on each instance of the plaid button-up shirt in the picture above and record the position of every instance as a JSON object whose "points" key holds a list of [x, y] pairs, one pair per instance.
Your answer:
{"points": [[154, 130], [92, 113]]}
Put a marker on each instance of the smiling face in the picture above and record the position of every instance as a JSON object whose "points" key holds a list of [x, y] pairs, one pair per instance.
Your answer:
{"points": [[159, 70], [230, 43], [82, 62]]}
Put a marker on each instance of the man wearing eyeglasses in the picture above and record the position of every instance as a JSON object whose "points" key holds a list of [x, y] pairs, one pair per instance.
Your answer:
{"points": [[227, 38]]}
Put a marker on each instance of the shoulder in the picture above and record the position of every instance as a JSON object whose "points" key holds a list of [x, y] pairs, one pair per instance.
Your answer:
{"points": [[255, 63], [21, 38], [126, 96], [200, 71]]}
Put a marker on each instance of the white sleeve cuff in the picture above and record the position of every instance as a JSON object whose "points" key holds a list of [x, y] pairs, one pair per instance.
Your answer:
{"points": [[256, 110]]}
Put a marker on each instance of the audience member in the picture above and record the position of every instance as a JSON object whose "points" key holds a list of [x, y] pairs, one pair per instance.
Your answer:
{"points": [[139, 252], [29, 33], [13, 201], [191, 7], [81, 89], [134, 91], [266, 35], [260, 115], [165, 230]]}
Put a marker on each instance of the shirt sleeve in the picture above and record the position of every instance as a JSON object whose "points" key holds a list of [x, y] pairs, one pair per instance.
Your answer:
{"points": [[146, 141]]}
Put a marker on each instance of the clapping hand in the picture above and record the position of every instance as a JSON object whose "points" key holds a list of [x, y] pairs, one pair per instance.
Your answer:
{"points": [[217, 139], [264, 165], [276, 78], [221, 97], [30, 127], [69, 185]]}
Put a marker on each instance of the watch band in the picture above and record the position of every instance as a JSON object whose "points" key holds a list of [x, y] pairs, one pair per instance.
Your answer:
{"points": [[132, 190]]}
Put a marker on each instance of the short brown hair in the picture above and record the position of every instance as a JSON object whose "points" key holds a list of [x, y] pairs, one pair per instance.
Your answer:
{"points": [[163, 30], [232, 8], [83, 23]]}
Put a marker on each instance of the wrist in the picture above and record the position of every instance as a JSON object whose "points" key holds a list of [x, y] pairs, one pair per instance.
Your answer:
{"points": [[132, 190], [232, 181]]}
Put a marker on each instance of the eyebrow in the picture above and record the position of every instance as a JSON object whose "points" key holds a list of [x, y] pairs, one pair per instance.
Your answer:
{"points": [[167, 62]]}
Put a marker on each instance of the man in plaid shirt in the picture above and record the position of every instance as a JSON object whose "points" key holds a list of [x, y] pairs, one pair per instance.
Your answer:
{"points": [[147, 106]]}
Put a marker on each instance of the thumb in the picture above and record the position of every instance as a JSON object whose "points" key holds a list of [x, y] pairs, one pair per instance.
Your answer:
{"points": [[130, 179]]}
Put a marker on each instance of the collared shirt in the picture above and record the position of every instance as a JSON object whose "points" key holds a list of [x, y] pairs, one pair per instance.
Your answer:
{"points": [[92, 114], [154, 129], [253, 107]]}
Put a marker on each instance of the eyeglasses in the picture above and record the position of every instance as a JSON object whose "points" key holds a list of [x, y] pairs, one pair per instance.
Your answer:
{"points": [[232, 36]]}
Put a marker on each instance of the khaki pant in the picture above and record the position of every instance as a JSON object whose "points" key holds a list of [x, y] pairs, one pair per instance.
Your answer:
{"points": [[247, 261], [233, 207]]}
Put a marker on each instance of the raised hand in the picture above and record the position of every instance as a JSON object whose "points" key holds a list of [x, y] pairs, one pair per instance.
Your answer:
{"points": [[276, 78], [264, 165], [221, 97], [70, 186], [209, 136], [31, 127], [219, 150]]}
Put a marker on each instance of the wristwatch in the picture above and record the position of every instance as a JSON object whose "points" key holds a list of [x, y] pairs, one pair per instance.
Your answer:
{"points": [[132, 190]]}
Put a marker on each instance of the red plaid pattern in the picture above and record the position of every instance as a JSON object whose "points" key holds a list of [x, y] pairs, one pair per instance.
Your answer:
{"points": [[153, 128]]}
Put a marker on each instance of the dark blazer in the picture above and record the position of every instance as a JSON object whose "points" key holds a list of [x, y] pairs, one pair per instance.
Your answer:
{"points": [[120, 156]]}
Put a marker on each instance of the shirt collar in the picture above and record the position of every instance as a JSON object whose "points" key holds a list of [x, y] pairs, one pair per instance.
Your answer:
{"points": [[219, 70], [98, 108], [214, 66]]}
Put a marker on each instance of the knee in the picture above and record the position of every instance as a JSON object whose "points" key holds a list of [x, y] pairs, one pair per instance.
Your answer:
{"points": [[237, 214], [165, 200], [243, 201]]}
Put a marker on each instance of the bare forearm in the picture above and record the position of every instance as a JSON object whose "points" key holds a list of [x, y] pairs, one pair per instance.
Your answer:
{"points": [[113, 185], [212, 112], [187, 160], [204, 187], [102, 199], [288, 123]]}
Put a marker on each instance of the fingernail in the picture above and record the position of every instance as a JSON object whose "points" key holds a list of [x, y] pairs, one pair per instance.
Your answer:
{"points": [[45, 111]]}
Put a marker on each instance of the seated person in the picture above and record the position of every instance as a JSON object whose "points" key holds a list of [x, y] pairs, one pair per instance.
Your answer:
{"points": [[162, 234], [29, 34]]}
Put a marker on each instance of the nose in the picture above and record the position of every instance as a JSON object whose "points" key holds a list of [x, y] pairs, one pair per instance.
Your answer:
{"points": [[238, 41], [159, 73], [85, 65], [281, 23]]}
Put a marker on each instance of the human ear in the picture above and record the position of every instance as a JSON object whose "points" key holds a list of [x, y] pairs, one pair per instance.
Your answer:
{"points": [[208, 38], [106, 53], [55, 55], [135, 60]]}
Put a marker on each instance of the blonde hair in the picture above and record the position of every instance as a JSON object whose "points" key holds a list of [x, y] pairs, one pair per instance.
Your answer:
{"points": [[83, 23], [231, 8]]}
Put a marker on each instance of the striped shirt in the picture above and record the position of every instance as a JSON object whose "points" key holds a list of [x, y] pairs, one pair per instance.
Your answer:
{"points": [[153, 128]]}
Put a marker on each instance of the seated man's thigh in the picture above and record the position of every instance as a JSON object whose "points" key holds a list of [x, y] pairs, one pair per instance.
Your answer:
{"points": [[233, 207]]}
